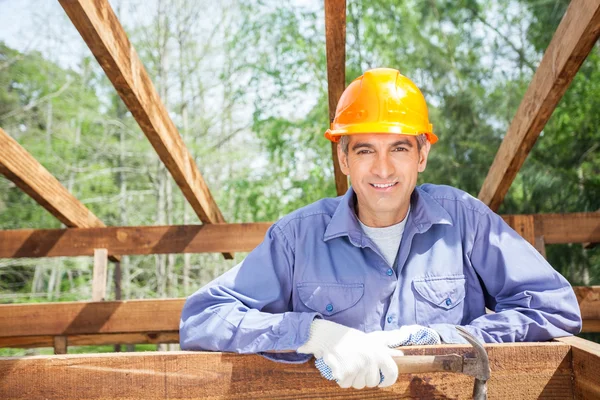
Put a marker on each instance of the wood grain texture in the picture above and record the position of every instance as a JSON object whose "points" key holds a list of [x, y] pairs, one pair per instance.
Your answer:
{"points": [[27, 342], [560, 228], [586, 367], [574, 38], [78, 318], [34, 325], [104, 35], [99, 274], [60, 344], [555, 228], [132, 240], [19, 166], [525, 371], [335, 41]]}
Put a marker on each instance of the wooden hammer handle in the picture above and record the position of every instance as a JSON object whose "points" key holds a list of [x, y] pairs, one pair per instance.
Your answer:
{"points": [[419, 364]]}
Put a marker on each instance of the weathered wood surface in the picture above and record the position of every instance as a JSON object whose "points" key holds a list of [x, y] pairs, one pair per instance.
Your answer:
{"points": [[335, 42], [104, 35], [585, 357], [132, 240], [574, 38], [19, 166], [78, 318], [27, 342], [143, 321], [99, 274], [555, 228], [589, 304], [524, 371]]}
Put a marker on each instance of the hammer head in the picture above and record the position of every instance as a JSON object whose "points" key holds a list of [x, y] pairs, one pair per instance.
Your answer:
{"points": [[478, 367]]}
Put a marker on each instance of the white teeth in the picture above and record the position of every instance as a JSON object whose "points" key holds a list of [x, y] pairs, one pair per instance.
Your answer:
{"points": [[385, 185]]}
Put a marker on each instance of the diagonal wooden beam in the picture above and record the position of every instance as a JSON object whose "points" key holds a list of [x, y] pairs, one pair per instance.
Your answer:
{"points": [[572, 42], [19, 166], [106, 38], [335, 40]]}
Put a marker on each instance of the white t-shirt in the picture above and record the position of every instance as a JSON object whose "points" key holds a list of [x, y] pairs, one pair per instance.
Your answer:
{"points": [[387, 239]]}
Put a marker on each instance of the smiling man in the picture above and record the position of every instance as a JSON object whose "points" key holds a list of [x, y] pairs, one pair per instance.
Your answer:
{"points": [[390, 263]]}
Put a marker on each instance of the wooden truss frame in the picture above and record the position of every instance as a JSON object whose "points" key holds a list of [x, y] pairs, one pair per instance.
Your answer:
{"points": [[567, 368]]}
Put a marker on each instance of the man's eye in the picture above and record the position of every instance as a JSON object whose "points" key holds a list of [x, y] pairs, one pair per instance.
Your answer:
{"points": [[400, 149], [363, 152]]}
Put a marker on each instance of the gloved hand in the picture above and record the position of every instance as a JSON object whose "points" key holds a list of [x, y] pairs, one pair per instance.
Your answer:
{"points": [[407, 335], [354, 358]]}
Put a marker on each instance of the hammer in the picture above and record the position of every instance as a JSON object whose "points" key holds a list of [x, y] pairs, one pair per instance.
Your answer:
{"points": [[477, 367]]}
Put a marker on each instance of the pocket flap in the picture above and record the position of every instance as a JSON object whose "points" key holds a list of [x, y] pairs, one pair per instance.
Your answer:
{"points": [[330, 298], [443, 291]]}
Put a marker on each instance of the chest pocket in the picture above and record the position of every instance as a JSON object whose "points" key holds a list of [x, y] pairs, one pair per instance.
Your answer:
{"points": [[330, 298], [439, 299]]}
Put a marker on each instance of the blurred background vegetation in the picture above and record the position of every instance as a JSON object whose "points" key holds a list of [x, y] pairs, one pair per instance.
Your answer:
{"points": [[245, 83]]}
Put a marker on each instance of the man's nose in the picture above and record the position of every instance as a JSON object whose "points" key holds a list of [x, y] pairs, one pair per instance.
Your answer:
{"points": [[383, 166]]}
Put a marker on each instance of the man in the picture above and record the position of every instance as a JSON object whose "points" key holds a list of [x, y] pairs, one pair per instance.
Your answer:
{"points": [[387, 264]]}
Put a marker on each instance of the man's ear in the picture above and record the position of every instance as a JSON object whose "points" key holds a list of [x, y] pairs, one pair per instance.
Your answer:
{"points": [[343, 159], [423, 154]]}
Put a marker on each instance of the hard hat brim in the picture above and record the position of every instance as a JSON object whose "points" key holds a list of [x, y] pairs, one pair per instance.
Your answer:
{"points": [[377, 128]]}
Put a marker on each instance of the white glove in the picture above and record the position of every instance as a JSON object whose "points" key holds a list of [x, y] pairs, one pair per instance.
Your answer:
{"points": [[354, 358], [408, 335]]}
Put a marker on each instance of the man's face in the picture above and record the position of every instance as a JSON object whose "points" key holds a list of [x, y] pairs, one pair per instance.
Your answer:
{"points": [[383, 170]]}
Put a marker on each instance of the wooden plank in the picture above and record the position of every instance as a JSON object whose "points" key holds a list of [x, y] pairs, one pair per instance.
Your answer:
{"points": [[555, 228], [527, 371], [563, 228], [591, 326], [100, 273], [589, 301], [590, 245], [60, 344], [104, 35], [586, 367], [27, 342], [524, 226], [132, 240], [79, 318], [335, 41], [574, 38], [19, 166]]}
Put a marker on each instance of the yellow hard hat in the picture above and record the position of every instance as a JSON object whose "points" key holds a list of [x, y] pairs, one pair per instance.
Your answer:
{"points": [[381, 101]]}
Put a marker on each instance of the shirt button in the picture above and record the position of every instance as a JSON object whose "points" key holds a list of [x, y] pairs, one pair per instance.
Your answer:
{"points": [[448, 302], [390, 319], [390, 272], [329, 307]]}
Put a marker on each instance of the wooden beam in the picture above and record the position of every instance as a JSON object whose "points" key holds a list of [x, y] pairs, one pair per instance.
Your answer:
{"points": [[60, 344], [585, 356], [574, 38], [19, 166], [216, 238], [590, 245], [81, 318], [335, 41], [27, 342], [34, 325], [104, 35], [555, 228], [99, 275], [563, 228], [524, 371]]}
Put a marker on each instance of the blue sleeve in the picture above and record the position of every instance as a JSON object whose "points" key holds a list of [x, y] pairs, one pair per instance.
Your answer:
{"points": [[532, 302], [246, 310]]}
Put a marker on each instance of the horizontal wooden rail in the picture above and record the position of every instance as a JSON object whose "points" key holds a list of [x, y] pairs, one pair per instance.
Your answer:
{"points": [[144, 321], [219, 238], [524, 371]]}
